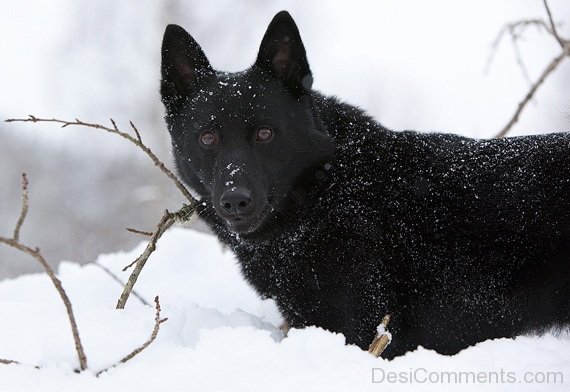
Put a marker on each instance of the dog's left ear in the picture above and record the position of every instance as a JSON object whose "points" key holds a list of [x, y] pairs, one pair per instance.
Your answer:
{"points": [[282, 54]]}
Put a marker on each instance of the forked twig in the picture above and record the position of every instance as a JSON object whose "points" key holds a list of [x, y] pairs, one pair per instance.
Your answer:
{"points": [[153, 335], [554, 63], [114, 129], [167, 220], [119, 281], [515, 30], [547, 71], [36, 254]]}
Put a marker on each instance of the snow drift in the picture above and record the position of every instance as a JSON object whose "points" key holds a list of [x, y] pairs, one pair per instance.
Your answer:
{"points": [[221, 336]]}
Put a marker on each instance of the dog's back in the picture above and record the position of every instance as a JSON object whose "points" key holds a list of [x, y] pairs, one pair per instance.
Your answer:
{"points": [[460, 240]]}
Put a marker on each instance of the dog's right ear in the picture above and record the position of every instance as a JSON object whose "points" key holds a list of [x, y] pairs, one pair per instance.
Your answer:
{"points": [[184, 65], [282, 54]]}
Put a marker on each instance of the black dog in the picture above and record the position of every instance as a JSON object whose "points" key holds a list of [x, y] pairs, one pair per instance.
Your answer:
{"points": [[342, 221]]}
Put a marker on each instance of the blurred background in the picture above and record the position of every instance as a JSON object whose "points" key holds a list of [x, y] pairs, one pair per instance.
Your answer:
{"points": [[412, 64]]}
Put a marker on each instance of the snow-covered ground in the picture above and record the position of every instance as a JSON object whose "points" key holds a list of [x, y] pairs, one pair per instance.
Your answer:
{"points": [[221, 337]]}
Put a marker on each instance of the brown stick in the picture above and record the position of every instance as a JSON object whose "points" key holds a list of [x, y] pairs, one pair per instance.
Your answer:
{"points": [[119, 281], [381, 340], [153, 335], [167, 220], [114, 129], [25, 206], [35, 253]]}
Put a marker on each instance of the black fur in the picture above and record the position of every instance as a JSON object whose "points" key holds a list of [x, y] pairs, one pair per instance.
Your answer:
{"points": [[342, 221]]}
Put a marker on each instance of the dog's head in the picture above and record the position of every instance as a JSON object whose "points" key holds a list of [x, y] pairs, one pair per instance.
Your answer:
{"points": [[245, 142]]}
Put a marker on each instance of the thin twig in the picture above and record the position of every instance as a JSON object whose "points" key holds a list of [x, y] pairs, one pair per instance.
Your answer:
{"points": [[25, 206], [182, 215], [114, 129], [35, 253], [12, 362], [9, 362], [136, 132], [164, 224], [553, 31], [547, 71], [515, 35], [118, 280], [515, 30], [153, 335], [382, 338], [145, 233], [167, 220]]}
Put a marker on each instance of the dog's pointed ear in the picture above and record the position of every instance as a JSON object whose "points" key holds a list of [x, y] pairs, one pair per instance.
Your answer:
{"points": [[184, 65], [282, 54]]}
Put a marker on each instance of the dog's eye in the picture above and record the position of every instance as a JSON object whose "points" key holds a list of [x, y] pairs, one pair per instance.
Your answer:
{"points": [[208, 138], [264, 134]]}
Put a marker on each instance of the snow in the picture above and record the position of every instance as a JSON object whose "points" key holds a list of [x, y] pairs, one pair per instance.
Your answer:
{"points": [[220, 336]]}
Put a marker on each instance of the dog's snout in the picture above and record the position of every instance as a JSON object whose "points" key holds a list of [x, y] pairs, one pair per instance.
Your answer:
{"points": [[236, 201]]}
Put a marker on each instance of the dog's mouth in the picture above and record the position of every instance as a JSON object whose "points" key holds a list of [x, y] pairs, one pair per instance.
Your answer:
{"points": [[242, 226], [249, 224]]}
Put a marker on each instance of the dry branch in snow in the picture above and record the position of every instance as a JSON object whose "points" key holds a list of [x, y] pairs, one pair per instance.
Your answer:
{"points": [[153, 335], [167, 220], [36, 254], [382, 339], [119, 281]]}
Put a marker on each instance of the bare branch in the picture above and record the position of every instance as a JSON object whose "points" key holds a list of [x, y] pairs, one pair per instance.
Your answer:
{"points": [[547, 71], [9, 362], [168, 219], [12, 362], [36, 254], [145, 233], [164, 224], [382, 339], [118, 280], [136, 131], [114, 129], [516, 29], [153, 335], [553, 30], [25, 205]]}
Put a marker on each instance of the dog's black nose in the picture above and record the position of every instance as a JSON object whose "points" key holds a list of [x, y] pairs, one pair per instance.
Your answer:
{"points": [[236, 201]]}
